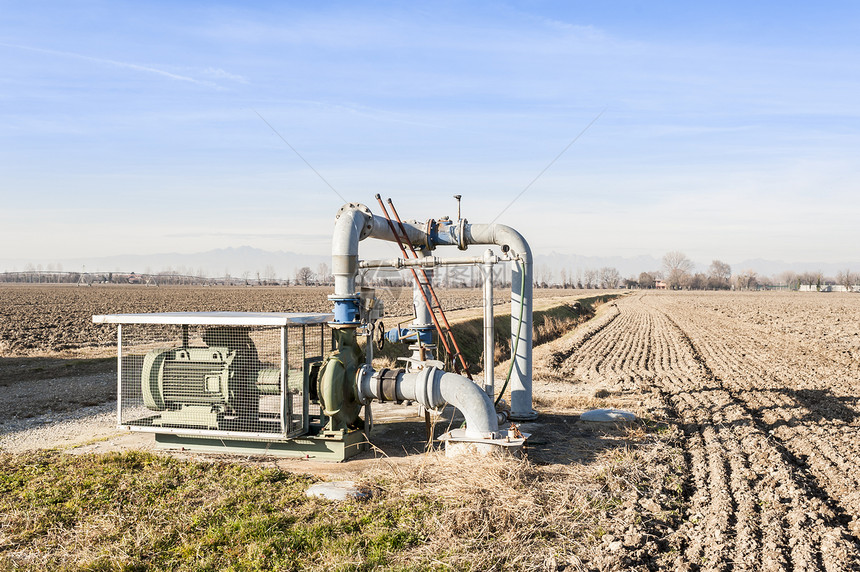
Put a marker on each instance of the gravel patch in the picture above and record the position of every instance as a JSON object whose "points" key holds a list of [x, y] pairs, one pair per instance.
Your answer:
{"points": [[59, 429]]}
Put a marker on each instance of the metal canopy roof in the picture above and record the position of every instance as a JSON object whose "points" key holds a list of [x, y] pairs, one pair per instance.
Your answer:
{"points": [[217, 318]]}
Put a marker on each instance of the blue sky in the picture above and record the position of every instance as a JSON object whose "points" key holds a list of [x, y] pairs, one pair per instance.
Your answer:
{"points": [[729, 130]]}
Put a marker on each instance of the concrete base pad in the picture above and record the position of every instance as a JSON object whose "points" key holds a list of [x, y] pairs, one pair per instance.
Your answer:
{"points": [[458, 443]]}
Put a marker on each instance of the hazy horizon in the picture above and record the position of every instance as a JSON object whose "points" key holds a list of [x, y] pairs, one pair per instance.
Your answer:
{"points": [[246, 259]]}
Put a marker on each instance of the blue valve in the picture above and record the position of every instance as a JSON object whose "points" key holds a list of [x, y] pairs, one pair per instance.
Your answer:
{"points": [[424, 335], [346, 310]]}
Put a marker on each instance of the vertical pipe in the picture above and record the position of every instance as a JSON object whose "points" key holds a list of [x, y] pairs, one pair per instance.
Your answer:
{"points": [[344, 248], [489, 341], [521, 304], [285, 391], [119, 375], [423, 314], [515, 246], [421, 295]]}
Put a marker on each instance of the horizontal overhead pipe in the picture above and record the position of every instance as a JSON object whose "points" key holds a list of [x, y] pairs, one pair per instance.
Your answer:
{"points": [[425, 262]]}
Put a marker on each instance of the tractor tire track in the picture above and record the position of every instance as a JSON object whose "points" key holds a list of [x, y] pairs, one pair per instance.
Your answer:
{"points": [[785, 407]]}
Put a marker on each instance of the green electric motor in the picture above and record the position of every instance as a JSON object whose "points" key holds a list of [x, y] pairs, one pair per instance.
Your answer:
{"points": [[204, 386], [188, 376]]}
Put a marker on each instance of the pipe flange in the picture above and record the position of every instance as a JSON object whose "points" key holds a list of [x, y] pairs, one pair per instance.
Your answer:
{"points": [[367, 227], [461, 231], [383, 384], [424, 390], [428, 234], [377, 377], [363, 372]]}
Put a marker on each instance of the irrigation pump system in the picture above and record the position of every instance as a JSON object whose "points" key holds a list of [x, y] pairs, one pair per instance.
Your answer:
{"points": [[298, 384]]}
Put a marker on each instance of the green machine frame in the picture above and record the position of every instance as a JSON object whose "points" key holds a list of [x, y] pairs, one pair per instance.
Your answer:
{"points": [[228, 382]]}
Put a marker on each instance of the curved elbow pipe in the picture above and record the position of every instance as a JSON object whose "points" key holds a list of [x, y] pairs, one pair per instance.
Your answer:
{"points": [[350, 226], [467, 396], [501, 235], [432, 387], [511, 241]]}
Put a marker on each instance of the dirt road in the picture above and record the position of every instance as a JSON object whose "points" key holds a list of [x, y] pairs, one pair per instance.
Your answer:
{"points": [[765, 390]]}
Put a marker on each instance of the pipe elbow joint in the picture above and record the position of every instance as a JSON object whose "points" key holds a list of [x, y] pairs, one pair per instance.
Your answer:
{"points": [[432, 388], [352, 224], [475, 405]]}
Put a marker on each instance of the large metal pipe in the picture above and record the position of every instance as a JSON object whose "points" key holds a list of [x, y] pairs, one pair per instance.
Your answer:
{"points": [[423, 262], [349, 228], [360, 223], [432, 388], [513, 244], [421, 292], [489, 327]]}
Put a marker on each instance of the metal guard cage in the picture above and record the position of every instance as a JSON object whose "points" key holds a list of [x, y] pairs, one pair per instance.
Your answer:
{"points": [[218, 374]]}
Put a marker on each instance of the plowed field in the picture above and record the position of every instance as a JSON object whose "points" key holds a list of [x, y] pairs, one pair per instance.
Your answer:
{"points": [[764, 387], [57, 319]]}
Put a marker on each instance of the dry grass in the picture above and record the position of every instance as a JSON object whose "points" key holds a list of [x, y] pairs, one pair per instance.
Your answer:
{"points": [[140, 512], [493, 513], [503, 513]]}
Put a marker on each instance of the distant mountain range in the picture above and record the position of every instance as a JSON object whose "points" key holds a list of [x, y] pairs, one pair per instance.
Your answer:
{"points": [[212, 263], [283, 264]]}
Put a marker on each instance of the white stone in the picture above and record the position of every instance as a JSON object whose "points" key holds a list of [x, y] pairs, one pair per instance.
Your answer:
{"points": [[337, 490], [608, 416]]}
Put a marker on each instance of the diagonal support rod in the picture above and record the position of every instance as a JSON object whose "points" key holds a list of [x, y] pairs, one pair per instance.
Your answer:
{"points": [[415, 276], [448, 331]]}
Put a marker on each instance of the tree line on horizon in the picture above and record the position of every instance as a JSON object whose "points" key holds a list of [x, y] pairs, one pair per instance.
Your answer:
{"points": [[677, 272]]}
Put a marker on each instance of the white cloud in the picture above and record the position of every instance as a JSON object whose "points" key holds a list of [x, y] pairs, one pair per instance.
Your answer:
{"points": [[217, 73], [115, 63]]}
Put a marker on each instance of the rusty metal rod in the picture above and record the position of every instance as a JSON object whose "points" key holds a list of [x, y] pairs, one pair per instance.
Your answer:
{"points": [[450, 332], [415, 275]]}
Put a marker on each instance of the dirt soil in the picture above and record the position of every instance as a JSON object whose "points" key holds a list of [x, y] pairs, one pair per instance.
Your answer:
{"points": [[764, 388], [55, 320]]}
